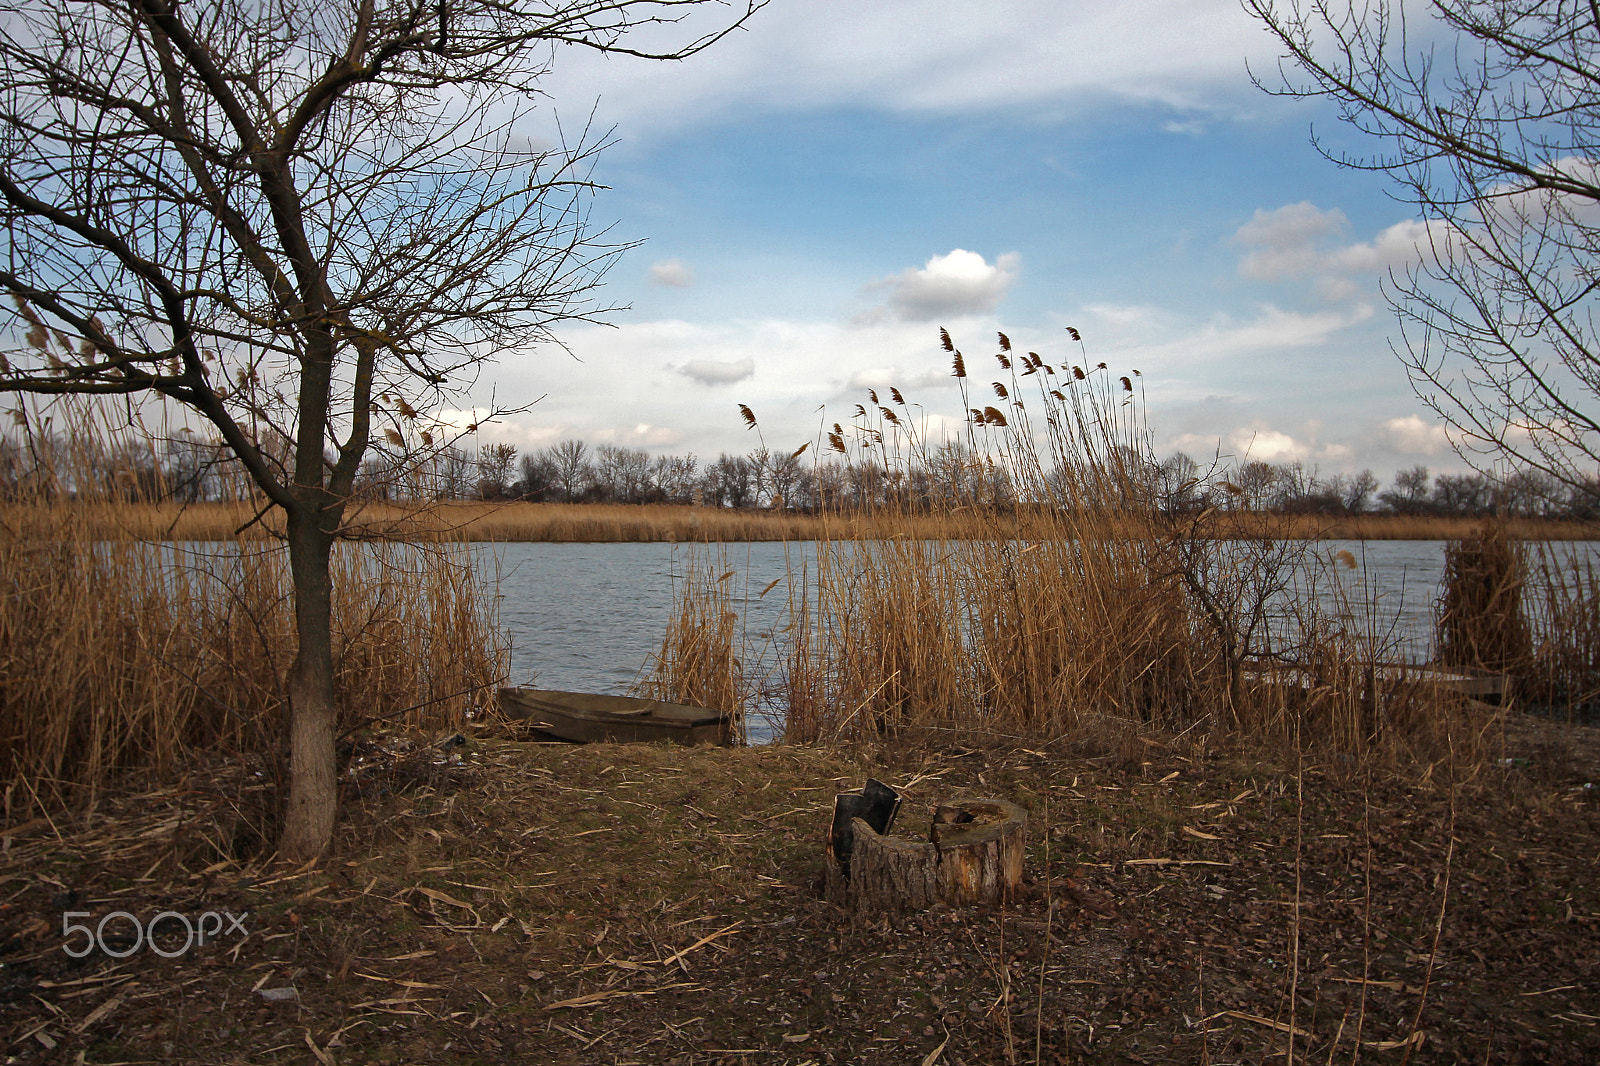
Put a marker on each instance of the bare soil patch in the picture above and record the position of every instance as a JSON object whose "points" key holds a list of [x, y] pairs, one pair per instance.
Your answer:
{"points": [[630, 904]]}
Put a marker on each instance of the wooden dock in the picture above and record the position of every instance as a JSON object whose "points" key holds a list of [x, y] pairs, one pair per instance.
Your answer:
{"points": [[1390, 676]]}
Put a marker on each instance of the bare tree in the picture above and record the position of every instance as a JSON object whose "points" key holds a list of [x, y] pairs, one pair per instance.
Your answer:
{"points": [[301, 221], [634, 476], [1180, 484], [1492, 129], [784, 474], [448, 472], [573, 472], [495, 463], [1410, 492], [1357, 490], [1464, 494], [728, 482], [538, 477], [674, 476], [622, 475], [1255, 480]]}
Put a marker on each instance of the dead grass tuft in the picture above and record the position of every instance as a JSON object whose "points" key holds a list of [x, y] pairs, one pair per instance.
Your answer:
{"points": [[130, 657]]}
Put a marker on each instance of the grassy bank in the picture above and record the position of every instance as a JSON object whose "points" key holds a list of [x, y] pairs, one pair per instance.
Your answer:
{"points": [[1244, 841], [640, 904], [586, 523]]}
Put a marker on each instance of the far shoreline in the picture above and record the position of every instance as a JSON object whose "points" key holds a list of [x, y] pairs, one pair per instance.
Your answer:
{"points": [[599, 523]]}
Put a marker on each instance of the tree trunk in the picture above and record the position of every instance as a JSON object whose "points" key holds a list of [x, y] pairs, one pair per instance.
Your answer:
{"points": [[313, 712], [974, 855]]}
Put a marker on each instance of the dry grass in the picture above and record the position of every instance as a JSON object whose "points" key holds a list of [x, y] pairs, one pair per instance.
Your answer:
{"points": [[629, 523], [698, 663], [571, 905], [120, 656], [503, 522], [1391, 527], [1080, 612], [1563, 598]]}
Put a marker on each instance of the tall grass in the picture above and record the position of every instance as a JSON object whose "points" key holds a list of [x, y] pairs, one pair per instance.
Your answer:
{"points": [[1059, 602], [120, 656], [1563, 598], [699, 662], [1481, 621]]}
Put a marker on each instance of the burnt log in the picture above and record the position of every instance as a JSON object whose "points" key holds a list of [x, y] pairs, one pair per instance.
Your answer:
{"points": [[875, 804], [973, 855]]}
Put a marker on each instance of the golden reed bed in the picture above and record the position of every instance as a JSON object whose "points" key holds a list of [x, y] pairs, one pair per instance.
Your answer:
{"points": [[577, 523]]}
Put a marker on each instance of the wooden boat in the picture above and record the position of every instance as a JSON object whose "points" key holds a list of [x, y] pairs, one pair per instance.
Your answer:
{"points": [[588, 718]]}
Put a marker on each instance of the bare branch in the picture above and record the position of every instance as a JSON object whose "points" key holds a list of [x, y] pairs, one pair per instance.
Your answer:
{"points": [[283, 215], [1493, 132]]}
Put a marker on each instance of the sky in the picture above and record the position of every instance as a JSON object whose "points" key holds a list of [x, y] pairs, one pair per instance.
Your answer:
{"points": [[815, 196]]}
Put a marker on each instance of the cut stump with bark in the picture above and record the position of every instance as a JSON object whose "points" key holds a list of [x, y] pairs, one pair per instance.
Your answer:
{"points": [[973, 855]]}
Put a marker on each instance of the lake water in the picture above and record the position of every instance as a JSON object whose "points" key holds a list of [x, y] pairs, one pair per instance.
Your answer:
{"points": [[590, 617]]}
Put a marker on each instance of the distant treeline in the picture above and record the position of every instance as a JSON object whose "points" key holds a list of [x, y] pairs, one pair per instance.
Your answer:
{"points": [[187, 470]]}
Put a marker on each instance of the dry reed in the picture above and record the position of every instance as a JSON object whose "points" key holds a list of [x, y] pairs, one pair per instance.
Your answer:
{"points": [[698, 663], [635, 523], [1481, 624], [1563, 600], [1058, 602], [123, 656]]}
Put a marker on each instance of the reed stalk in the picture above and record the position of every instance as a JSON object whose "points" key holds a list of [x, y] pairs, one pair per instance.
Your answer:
{"points": [[1563, 603], [1481, 623], [1058, 602], [124, 656], [698, 663]]}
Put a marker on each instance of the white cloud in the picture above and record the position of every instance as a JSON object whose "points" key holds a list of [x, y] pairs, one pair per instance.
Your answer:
{"points": [[713, 372], [957, 283], [672, 273], [1259, 442], [1267, 445], [631, 384], [1041, 56], [457, 420], [1412, 434], [528, 438], [1224, 337], [1294, 242], [642, 435], [1123, 316], [883, 377], [1284, 241], [1401, 244], [1338, 455], [1268, 386]]}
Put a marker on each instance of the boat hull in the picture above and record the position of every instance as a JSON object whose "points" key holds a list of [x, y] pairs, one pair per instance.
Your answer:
{"points": [[589, 718]]}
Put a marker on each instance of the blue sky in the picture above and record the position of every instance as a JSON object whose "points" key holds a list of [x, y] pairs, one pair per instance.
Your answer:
{"points": [[821, 192]]}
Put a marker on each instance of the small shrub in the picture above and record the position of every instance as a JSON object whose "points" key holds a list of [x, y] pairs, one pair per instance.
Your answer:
{"points": [[1481, 625]]}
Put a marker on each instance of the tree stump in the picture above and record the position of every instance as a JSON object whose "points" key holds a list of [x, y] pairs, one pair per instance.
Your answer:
{"points": [[973, 855]]}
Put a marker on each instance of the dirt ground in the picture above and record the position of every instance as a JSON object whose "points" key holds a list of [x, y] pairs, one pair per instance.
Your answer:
{"points": [[525, 903]]}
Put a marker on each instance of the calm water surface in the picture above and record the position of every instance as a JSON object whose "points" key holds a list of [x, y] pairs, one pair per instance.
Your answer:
{"points": [[591, 616]]}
